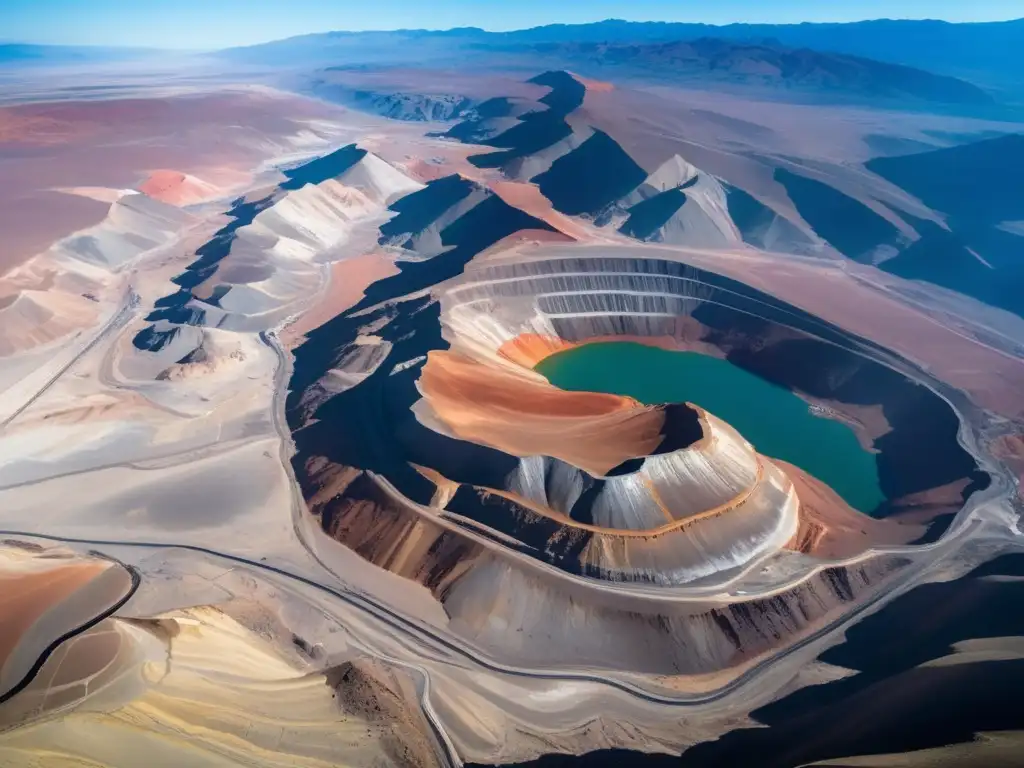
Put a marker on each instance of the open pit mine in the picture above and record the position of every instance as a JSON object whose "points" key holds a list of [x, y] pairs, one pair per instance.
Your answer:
{"points": [[532, 431]]}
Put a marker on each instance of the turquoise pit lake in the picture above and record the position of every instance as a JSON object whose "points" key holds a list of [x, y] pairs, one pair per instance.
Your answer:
{"points": [[777, 422]]}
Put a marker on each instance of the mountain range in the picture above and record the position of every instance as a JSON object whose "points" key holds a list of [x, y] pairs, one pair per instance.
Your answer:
{"points": [[987, 53], [941, 63], [768, 64]]}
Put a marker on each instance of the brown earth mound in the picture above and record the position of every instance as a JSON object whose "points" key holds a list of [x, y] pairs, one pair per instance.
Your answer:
{"points": [[177, 188], [594, 86], [520, 413]]}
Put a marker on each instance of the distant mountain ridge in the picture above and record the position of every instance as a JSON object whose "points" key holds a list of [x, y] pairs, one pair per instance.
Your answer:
{"points": [[28, 54], [938, 46], [985, 53], [766, 64], [988, 52]]}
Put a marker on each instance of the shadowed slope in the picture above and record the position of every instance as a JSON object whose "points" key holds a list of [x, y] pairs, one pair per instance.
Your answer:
{"points": [[591, 177], [980, 189], [848, 225]]}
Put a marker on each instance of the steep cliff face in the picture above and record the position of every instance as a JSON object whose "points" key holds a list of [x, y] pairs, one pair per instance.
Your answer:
{"points": [[710, 544], [522, 615], [398, 105], [529, 619], [357, 513]]}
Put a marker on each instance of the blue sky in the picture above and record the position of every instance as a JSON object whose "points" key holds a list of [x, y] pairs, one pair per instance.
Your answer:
{"points": [[219, 23]]}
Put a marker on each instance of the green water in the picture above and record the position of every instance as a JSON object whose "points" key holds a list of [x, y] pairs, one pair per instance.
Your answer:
{"points": [[778, 423]]}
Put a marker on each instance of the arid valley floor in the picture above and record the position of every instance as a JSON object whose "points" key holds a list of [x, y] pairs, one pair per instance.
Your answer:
{"points": [[292, 473]]}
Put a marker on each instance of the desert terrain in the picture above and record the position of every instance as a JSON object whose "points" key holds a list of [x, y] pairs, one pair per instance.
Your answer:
{"points": [[287, 476]]}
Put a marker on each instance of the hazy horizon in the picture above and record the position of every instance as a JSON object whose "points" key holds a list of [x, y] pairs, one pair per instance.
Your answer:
{"points": [[195, 24]]}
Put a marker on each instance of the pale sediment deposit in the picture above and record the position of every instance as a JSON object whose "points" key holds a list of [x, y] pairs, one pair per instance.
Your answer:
{"points": [[127, 690]]}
